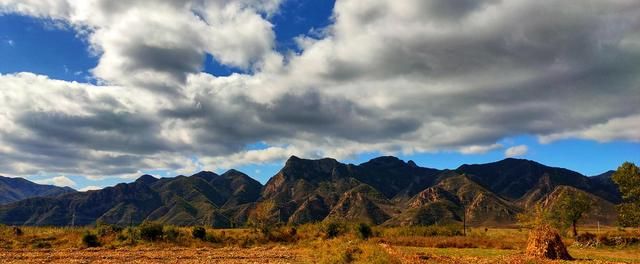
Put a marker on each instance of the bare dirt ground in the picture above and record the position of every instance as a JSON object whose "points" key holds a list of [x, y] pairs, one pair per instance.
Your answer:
{"points": [[151, 255], [297, 254]]}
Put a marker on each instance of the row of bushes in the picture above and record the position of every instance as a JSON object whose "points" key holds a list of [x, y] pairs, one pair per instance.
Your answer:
{"points": [[612, 240], [147, 231], [156, 232]]}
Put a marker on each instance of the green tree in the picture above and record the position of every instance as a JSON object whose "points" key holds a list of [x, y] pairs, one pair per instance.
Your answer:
{"points": [[570, 208], [627, 177]]}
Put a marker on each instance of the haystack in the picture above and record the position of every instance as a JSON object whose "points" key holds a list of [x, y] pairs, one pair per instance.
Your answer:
{"points": [[545, 242]]}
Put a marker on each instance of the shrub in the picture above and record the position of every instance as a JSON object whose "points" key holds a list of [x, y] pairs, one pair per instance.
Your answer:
{"points": [[199, 232], [454, 244], [333, 229], [129, 236], [293, 231], [104, 229], [340, 253], [90, 240], [209, 237], [40, 244], [17, 231], [171, 234], [363, 231], [586, 239], [151, 231], [283, 234]]}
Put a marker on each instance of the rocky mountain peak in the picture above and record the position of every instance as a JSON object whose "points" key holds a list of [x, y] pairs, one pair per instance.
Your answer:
{"points": [[206, 175], [146, 179]]}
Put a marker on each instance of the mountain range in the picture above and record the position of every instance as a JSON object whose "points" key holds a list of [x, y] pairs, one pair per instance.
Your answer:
{"points": [[16, 189], [383, 191]]}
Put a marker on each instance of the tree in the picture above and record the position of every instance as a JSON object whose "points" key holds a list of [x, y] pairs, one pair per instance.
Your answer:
{"points": [[535, 217], [570, 207], [627, 177], [264, 216]]}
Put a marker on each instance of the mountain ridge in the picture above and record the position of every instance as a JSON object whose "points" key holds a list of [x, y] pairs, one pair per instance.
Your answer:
{"points": [[384, 190], [16, 189]]}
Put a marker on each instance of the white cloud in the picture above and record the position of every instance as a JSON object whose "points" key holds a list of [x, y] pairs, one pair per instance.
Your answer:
{"points": [[389, 76], [61, 181], [156, 44], [90, 188], [516, 151], [624, 128], [477, 149]]}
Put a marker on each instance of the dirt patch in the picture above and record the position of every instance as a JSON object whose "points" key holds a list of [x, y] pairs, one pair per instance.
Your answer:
{"points": [[153, 255]]}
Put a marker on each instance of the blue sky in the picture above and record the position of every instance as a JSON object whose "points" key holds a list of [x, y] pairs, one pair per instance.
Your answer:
{"points": [[54, 48]]}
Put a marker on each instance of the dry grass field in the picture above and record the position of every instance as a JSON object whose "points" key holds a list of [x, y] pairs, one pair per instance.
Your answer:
{"points": [[304, 244]]}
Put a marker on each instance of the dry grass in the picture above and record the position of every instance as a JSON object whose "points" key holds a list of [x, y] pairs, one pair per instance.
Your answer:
{"points": [[476, 238], [304, 244]]}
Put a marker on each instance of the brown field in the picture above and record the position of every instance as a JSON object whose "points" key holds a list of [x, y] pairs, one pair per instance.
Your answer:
{"points": [[307, 244]]}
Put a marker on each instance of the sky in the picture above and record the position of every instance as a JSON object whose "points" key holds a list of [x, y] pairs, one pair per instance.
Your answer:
{"points": [[97, 92]]}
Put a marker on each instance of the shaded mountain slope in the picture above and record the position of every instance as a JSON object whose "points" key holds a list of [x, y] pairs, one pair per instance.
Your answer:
{"points": [[529, 181], [363, 204], [181, 201], [16, 189], [308, 188], [394, 178], [384, 190], [449, 198]]}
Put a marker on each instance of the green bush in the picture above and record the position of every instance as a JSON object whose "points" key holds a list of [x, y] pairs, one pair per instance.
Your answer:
{"points": [[171, 234], [129, 236], [199, 232], [333, 229], [90, 240], [151, 231], [364, 231]]}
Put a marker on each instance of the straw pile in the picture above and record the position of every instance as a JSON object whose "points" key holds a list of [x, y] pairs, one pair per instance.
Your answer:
{"points": [[545, 242]]}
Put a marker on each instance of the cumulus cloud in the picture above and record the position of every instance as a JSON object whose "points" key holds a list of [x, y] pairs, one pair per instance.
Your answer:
{"points": [[516, 151], [156, 44], [389, 76]]}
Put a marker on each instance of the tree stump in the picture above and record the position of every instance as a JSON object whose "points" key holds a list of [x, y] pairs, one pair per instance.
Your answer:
{"points": [[545, 242]]}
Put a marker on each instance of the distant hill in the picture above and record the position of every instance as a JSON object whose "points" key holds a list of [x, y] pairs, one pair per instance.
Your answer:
{"points": [[16, 189], [202, 199], [384, 190]]}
